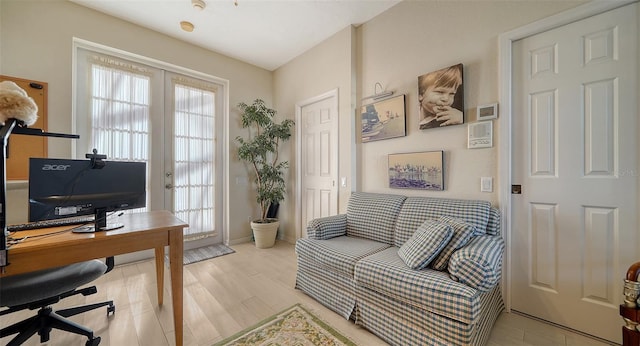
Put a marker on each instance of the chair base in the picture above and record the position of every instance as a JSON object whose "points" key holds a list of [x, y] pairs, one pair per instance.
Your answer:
{"points": [[47, 319]]}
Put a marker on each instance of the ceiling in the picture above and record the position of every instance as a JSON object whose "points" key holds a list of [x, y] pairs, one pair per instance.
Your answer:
{"points": [[265, 33]]}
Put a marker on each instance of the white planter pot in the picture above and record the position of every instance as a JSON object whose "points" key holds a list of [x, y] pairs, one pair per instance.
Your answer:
{"points": [[265, 233]]}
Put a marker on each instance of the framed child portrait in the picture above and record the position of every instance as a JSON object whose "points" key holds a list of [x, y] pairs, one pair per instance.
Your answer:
{"points": [[383, 119], [441, 98], [423, 170]]}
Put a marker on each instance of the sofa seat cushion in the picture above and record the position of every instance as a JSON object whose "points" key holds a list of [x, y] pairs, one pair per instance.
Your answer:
{"points": [[427, 289], [338, 254]]}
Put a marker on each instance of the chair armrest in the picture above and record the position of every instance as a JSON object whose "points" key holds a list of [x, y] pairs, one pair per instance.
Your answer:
{"points": [[327, 227], [479, 263]]}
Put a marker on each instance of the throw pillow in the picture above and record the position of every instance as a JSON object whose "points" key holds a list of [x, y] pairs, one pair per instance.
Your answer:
{"points": [[479, 264], [462, 234], [425, 244]]}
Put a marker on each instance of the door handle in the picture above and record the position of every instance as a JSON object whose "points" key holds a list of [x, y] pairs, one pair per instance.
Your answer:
{"points": [[168, 186]]}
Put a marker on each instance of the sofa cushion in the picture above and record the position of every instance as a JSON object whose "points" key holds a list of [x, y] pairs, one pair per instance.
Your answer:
{"points": [[462, 233], [373, 216], [479, 264], [338, 254], [431, 290], [425, 244], [416, 210]]}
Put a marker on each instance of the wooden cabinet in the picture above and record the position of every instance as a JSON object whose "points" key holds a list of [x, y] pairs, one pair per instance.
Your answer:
{"points": [[21, 148]]}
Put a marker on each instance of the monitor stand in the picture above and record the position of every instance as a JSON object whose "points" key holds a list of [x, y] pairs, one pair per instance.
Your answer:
{"points": [[92, 228], [100, 223], [111, 226]]}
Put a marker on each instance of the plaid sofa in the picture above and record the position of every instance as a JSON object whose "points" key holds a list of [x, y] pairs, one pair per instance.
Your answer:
{"points": [[350, 264]]}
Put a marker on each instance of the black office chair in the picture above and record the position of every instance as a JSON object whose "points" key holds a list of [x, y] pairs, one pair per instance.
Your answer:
{"points": [[41, 289]]}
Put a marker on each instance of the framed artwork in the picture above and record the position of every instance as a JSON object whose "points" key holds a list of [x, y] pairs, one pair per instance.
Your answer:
{"points": [[383, 119], [486, 112], [441, 98], [423, 171]]}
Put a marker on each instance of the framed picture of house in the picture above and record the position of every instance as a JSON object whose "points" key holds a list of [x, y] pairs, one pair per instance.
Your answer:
{"points": [[383, 119], [423, 170], [441, 98]]}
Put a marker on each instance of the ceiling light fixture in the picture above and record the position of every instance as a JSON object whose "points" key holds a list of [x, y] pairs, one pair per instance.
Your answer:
{"points": [[198, 4], [186, 26]]}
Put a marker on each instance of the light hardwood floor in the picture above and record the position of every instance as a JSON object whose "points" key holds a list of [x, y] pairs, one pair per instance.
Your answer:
{"points": [[227, 294]]}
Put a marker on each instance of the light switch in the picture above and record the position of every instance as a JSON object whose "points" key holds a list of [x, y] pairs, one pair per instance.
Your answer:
{"points": [[343, 181], [486, 184]]}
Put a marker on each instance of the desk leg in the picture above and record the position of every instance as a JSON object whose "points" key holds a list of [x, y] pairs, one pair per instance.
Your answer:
{"points": [[175, 262], [160, 273]]}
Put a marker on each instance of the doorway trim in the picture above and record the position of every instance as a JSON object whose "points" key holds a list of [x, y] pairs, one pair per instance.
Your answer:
{"points": [[505, 47], [299, 105]]}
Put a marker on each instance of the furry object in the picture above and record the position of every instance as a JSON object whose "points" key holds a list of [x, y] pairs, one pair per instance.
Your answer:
{"points": [[15, 103]]}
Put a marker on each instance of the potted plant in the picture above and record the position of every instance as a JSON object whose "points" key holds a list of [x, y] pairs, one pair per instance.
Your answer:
{"points": [[260, 150]]}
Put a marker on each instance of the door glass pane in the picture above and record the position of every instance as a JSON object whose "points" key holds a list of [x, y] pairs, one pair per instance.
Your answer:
{"points": [[120, 115], [194, 158]]}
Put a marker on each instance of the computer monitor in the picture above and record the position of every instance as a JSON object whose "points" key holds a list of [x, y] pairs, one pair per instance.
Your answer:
{"points": [[60, 188]]}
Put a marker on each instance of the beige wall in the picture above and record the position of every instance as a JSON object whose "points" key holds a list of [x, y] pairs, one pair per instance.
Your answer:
{"points": [[417, 37], [408, 40], [326, 67], [36, 39]]}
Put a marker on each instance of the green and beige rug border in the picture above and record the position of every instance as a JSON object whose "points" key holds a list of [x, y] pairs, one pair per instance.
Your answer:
{"points": [[252, 332]]}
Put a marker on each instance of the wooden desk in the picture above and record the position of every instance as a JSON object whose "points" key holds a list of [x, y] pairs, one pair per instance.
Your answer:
{"points": [[150, 230]]}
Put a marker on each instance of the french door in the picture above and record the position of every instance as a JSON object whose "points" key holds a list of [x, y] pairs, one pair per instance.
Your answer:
{"points": [[191, 178], [133, 111]]}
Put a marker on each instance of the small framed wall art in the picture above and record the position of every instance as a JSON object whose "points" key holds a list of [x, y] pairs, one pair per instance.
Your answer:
{"points": [[383, 119], [423, 170], [486, 112]]}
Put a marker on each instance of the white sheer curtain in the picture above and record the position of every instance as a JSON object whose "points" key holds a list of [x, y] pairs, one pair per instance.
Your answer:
{"points": [[119, 99], [194, 155]]}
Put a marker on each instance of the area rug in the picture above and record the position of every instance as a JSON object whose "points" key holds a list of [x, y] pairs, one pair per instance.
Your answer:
{"points": [[204, 253], [294, 326]]}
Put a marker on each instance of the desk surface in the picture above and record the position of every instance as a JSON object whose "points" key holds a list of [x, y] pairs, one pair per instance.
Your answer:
{"points": [[141, 231]]}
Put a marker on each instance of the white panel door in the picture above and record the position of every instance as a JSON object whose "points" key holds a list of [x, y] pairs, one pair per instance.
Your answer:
{"points": [[319, 159], [575, 153]]}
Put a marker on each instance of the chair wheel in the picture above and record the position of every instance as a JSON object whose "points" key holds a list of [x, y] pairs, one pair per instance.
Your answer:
{"points": [[93, 342], [111, 309]]}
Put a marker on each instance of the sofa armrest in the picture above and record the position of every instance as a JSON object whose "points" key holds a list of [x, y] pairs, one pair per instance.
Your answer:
{"points": [[479, 264], [327, 227]]}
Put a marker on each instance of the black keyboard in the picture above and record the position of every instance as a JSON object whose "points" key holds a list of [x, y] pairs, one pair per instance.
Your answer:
{"points": [[51, 223]]}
